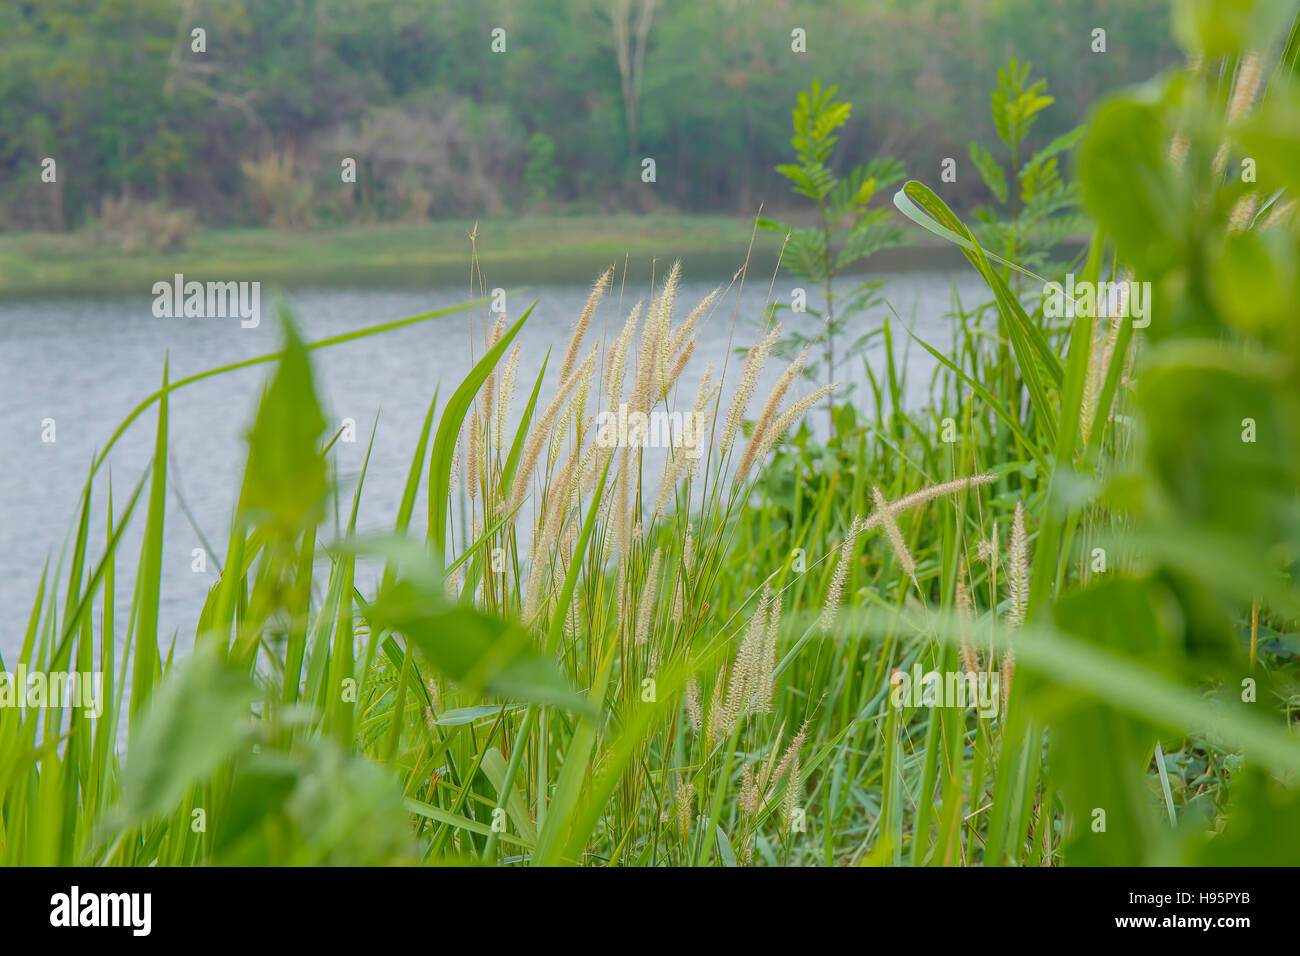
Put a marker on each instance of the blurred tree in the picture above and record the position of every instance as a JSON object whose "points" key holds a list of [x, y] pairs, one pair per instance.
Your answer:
{"points": [[540, 173], [629, 45]]}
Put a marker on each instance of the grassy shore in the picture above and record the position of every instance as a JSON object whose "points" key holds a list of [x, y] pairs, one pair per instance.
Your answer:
{"points": [[42, 264], [550, 248]]}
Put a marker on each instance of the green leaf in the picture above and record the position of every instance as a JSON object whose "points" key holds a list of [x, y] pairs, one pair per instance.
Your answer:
{"points": [[449, 427], [466, 715], [1062, 143], [494, 765], [1034, 356], [1270, 135], [1262, 829], [458, 821], [197, 719], [286, 480], [725, 851], [1126, 185], [145, 662], [1215, 28], [994, 176], [481, 653]]}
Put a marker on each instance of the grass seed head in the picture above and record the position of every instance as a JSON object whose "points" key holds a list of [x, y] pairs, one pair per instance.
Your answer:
{"points": [[835, 593], [1018, 572], [749, 376]]}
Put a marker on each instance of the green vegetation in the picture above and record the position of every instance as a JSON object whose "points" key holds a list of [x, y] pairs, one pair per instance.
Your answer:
{"points": [[847, 232], [253, 128], [578, 654], [1034, 204]]}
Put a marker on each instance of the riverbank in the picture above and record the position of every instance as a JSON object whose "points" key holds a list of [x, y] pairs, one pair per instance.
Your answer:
{"points": [[512, 252]]}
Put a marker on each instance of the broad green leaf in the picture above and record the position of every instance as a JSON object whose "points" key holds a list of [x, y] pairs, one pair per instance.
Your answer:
{"points": [[198, 718], [285, 480], [481, 653], [449, 428]]}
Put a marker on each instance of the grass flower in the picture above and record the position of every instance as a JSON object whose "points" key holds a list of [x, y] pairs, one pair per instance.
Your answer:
{"points": [[894, 535], [646, 613], [835, 593], [749, 376]]}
